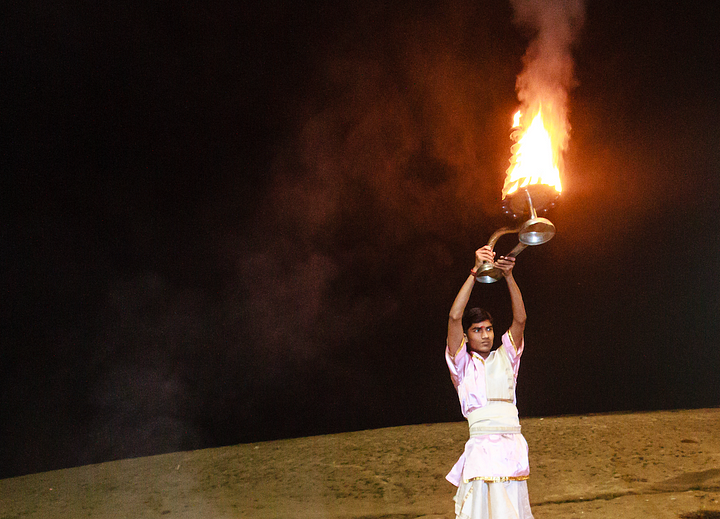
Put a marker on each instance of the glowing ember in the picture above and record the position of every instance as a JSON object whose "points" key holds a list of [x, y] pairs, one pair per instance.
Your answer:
{"points": [[535, 157]]}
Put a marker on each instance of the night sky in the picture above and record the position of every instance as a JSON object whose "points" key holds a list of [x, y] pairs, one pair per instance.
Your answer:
{"points": [[228, 223]]}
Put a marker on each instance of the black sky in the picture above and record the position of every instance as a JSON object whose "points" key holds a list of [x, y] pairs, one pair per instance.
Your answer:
{"points": [[226, 223]]}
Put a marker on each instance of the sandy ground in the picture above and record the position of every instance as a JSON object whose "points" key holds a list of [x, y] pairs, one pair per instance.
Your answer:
{"points": [[632, 466]]}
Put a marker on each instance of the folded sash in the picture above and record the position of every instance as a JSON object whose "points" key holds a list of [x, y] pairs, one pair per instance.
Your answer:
{"points": [[497, 417]]}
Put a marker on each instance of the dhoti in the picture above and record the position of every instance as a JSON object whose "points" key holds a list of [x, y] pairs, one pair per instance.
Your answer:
{"points": [[492, 472]]}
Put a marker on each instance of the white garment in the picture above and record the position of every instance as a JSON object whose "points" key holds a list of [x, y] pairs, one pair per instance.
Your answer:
{"points": [[498, 417], [478, 499]]}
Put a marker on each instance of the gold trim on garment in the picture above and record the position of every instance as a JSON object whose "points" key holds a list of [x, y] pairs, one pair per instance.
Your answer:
{"points": [[478, 357], [512, 341], [498, 479], [467, 496], [453, 355], [501, 430]]}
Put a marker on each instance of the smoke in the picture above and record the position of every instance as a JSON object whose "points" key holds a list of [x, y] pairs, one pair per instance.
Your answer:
{"points": [[141, 400], [388, 165], [390, 156], [547, 75]]}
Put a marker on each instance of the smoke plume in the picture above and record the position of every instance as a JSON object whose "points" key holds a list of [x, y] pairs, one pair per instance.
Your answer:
{"points": [[547, 75]]}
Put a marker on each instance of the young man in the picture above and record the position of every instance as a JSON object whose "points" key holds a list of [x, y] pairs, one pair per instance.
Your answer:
{"points": [[491, 475]]}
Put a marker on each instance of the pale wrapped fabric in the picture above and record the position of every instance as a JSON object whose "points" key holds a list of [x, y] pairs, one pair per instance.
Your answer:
{"points": [[498, 417], [482, 500], [496, 451]]}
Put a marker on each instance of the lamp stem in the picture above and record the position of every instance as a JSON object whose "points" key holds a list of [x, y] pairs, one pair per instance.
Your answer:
{"points": [[531, 207]]}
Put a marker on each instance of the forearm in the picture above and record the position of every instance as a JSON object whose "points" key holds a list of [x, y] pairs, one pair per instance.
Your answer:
{"points": [[461, 300], [516, 301], [455, 328]]}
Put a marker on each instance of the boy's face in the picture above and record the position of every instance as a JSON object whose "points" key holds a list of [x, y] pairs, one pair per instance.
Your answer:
{"points": [[480, 337]]}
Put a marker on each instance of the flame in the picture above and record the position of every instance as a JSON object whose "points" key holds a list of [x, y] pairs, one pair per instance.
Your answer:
{"points": [[535, 156]]}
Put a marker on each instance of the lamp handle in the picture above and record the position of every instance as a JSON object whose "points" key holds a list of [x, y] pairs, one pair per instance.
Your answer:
{"points": [[488, 272]]}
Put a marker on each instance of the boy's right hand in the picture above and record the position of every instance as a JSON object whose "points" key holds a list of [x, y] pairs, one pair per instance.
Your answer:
{"points": [[484, 254]]}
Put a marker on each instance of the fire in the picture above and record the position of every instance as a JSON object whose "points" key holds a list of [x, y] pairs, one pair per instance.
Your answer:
{"points": [[535, 156]]}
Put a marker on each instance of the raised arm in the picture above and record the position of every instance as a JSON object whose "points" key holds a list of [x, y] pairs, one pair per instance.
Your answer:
{"points": [[455, 329], [517, 328]]}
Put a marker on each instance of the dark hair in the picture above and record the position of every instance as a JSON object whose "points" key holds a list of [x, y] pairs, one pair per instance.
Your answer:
{"points": [[475, 315]]}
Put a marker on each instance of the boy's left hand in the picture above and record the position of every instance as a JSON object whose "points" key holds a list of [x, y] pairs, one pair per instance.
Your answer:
{"points": [[505, 264]]}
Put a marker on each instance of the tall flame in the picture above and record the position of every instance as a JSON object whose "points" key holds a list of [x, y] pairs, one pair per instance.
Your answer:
{"points": [[535, 156]]}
